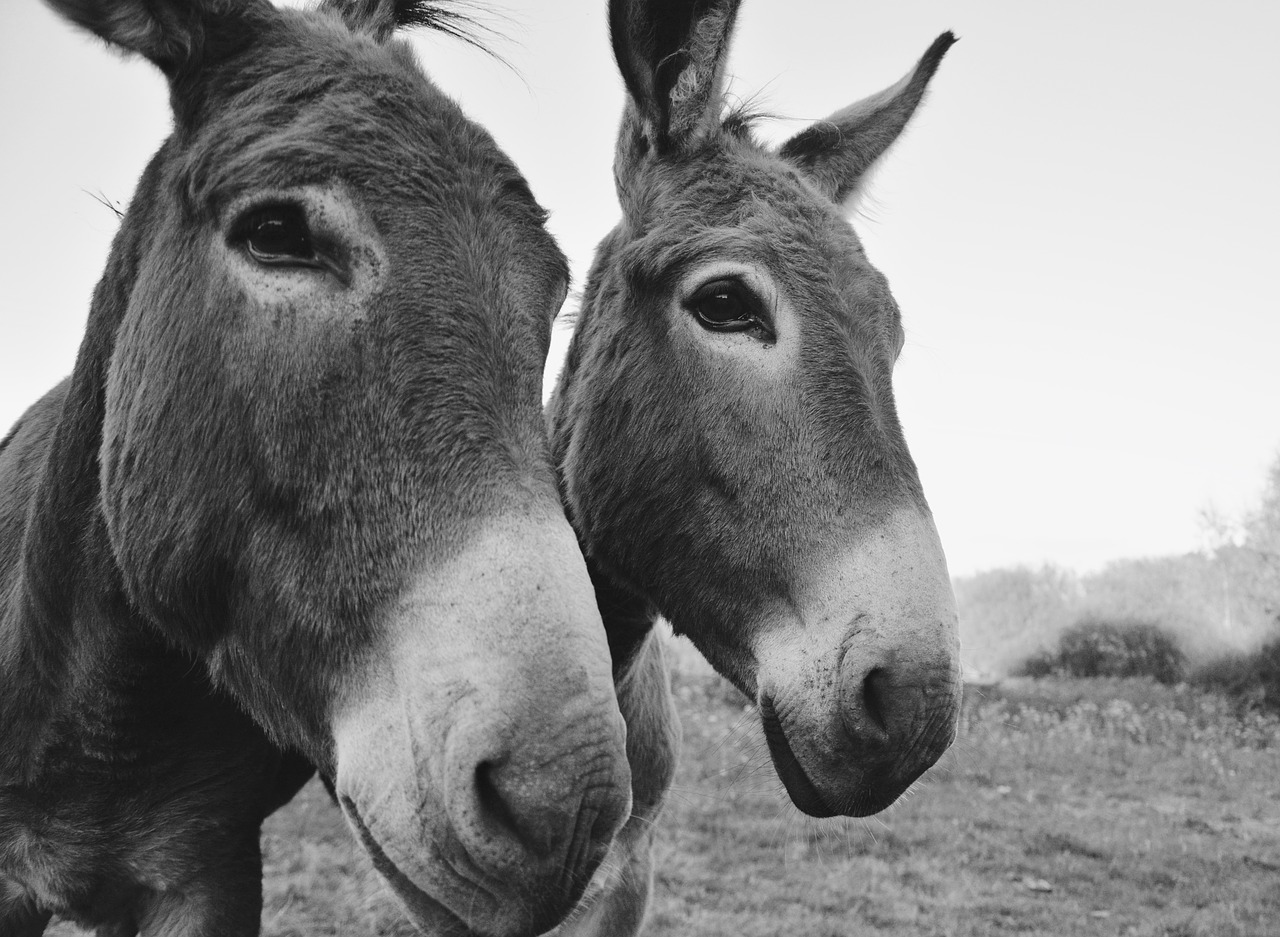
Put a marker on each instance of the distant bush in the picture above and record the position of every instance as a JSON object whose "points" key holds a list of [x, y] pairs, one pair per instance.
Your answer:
{"points": [[1252, 681], [1095, 647], [1042, 664]]}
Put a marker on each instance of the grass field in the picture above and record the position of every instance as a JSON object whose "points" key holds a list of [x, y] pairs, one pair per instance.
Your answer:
{"points": [[1085, 808]]}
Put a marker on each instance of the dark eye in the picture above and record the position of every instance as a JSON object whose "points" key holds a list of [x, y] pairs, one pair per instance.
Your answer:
{"points": [[277, 234], [729, 306]]}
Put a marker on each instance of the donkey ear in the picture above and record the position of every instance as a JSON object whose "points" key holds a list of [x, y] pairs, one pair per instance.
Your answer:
{"points": [[171, 33], [837, 152], [671, 54]]}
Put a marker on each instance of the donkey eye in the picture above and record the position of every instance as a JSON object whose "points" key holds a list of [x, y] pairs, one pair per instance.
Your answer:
{"points": [[728, 306], [277, 234]]}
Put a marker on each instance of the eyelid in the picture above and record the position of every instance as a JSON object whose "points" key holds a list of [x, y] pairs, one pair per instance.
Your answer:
{"points": [[709, 288], [315, 261], [752, 274], [241, 227]]}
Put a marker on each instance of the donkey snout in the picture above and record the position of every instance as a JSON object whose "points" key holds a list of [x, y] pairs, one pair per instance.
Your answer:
{"points": [[849, 730], [548, 817], [500, 820], [898, 716], [538, 813], [860, 682], [543, 819], [482, 757]]}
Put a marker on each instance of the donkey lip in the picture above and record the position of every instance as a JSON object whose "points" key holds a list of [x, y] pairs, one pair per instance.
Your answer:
{"points": [[410, 893], [801, 790], [421, 904]]}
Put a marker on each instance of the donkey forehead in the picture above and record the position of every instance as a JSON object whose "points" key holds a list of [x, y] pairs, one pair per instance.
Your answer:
{"points": [[758, 210], [311, 102], [297, 59]]}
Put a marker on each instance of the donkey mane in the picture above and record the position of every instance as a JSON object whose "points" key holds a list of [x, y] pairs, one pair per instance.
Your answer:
{"points": [[435, 15], [740, 120], [444, 16]]}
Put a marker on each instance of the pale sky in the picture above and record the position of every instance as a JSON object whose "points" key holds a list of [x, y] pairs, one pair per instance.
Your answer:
{"points": [[1080, 228]]}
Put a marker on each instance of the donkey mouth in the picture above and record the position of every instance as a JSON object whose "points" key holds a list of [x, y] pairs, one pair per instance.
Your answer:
{"points": [[871, 785], [802, 791], [429, 911], [422, 904]]}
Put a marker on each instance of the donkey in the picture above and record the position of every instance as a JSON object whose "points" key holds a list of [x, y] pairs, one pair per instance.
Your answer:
{"points": [[727, 445], [295, 504]]}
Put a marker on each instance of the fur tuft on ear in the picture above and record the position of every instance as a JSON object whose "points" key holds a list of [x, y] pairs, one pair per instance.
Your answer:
{"points": [[671, 54], [381, 18], [173, 34], [836, 153]]}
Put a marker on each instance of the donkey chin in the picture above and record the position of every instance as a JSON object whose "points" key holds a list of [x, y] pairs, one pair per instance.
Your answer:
{"points": [[487, 787], [862, 696]]}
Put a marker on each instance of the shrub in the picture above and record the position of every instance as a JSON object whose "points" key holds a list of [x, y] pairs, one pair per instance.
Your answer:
{"points": [[1040, 664], [1252, 681], [1096, 647]]}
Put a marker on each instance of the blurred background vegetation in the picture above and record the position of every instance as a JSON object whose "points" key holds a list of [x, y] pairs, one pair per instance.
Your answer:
{"points": [[1210, 618]]}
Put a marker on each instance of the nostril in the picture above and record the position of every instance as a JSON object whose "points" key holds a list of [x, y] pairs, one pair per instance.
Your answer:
{"points": [[521, 810], [871, 703], [490, 799], [876, 692]]}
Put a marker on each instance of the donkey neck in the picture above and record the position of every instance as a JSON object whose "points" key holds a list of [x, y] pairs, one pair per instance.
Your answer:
{"points": [[72, 652], [62, 605], [628, 618], [88, 688]]}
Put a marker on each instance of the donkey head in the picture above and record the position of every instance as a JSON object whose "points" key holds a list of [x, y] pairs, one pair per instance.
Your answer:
{"points": [[725, 426], [322, 461]]}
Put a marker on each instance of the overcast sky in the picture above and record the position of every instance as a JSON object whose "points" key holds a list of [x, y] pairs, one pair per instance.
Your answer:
{"points": [[1080, 228]]}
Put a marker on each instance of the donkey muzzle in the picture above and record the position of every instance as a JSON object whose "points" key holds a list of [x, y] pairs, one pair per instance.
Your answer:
{"points": [[859, 688], [481, 759]]}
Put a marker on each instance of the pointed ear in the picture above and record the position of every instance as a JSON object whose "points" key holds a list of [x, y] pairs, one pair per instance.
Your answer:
{"points": [[671, 54], [173, 34], [837, 152]]}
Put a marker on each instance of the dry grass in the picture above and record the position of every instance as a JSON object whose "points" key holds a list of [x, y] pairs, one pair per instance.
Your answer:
{"points": [[1064, 809]]}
